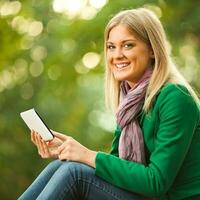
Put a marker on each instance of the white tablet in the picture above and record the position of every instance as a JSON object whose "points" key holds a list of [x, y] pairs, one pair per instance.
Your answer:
{"points": [[35, 122]]}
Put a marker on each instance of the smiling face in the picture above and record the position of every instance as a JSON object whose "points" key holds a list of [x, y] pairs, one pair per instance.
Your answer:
{"points": [[127, 56]]}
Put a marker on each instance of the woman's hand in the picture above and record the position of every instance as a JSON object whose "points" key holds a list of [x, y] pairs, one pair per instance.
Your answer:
{"points": [[72, 150], [46, 149]]}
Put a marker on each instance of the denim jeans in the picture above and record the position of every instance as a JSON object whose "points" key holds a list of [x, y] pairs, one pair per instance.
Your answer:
{"points": [[73, 181]]}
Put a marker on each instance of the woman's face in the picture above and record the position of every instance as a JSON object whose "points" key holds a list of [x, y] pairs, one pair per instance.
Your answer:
{"points": [[127, 56]]}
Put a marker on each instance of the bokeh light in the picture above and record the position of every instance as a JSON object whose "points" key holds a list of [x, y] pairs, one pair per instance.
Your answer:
{"points": [[36, 68], [98, 3], [9, 8], [27, 91], [28, 26], [71, 8], [54, 72], [91, 60], [38, 53], [85, 9]]}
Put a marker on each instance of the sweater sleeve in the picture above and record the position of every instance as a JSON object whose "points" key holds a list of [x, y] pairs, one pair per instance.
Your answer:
{"points": [[115, 142], [179, 116]]}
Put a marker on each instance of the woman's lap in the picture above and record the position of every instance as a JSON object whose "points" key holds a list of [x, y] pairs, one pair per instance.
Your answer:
{"points": [[40, 182], [73, 180]]}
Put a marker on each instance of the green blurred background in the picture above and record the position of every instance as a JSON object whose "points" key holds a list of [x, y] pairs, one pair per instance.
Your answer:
{"points": [[51, 58]]}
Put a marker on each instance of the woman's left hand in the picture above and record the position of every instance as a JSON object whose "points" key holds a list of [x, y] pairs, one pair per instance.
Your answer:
{"points": [[72, 150]]}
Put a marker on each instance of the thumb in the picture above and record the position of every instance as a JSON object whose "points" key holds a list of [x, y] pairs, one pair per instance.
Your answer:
{"points": [[60, 136]]}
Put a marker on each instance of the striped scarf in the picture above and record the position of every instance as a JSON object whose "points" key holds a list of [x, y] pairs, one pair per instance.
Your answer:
{"points": [[131, 142]]}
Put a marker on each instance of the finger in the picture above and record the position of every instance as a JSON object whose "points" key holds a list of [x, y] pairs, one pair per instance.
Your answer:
{"points": [[32, 136], [50, 143], [39, 144], [42, 145], [54, 153], [62, 157], [62, 147], [45, 148], [60, 136]]}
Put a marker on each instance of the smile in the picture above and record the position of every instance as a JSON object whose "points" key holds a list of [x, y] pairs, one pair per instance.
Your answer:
{"points": [[122, 65]]}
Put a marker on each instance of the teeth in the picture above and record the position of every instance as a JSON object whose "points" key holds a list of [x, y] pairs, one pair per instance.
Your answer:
{"points": [[121, 65]]}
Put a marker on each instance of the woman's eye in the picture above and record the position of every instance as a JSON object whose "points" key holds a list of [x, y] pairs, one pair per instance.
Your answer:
{"points": [[128, 46], [110, 47]]}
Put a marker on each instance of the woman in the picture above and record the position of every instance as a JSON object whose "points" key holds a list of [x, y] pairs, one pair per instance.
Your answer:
{"points": [[155, 150]]}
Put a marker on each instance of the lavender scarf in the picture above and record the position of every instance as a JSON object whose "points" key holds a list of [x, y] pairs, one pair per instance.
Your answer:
{"points": [[131, 142]]}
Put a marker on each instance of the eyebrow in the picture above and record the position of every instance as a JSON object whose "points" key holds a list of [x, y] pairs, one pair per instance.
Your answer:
{"points": [[123, 41]]}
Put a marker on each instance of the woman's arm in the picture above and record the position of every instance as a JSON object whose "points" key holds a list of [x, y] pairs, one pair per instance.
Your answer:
{"points": [[115, 142], [178, 118], [63, 147], [74, 151]]}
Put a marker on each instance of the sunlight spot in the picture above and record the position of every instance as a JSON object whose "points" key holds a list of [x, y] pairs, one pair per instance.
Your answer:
{"points": [[71, 8], [10, 8], [91, 59], [101, 119], [156, 9], [20, 24], [85, 9], [35, 28], [81, 69], [186, 50], [6, 79], [36, 68], [38, 53], [88, 13], [98, 3], [21, 70]]}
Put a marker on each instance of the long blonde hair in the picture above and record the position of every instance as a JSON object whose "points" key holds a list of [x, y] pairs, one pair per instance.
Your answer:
{"points": [[147, 26]]}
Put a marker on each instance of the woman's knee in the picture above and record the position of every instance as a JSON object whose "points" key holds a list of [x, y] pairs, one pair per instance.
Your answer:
{"points": [[54, 165], [76, 170]]}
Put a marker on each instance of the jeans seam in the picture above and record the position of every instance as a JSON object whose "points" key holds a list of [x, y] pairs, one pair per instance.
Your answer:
{"points": [[88, 182], [66, 190], [103, 189]]}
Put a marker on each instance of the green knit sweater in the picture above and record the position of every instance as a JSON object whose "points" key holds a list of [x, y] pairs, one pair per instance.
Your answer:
{"points": [[172, 141]]}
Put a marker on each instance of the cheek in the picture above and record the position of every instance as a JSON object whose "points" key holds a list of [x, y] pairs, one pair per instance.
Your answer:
{"points": [[131, 55], [143, 58], [108, 59]]}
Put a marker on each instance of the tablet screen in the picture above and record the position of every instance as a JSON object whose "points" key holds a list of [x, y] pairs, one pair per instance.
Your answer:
{"points": [[35, 122]]}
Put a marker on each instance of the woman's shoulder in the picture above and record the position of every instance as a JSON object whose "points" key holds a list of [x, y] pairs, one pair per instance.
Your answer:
{"points": [[177, 96], [173, 90]]}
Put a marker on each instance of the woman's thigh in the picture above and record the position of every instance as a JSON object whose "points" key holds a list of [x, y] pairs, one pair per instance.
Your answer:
{"points": [[40, 182], [76, 181], [93, 187]]}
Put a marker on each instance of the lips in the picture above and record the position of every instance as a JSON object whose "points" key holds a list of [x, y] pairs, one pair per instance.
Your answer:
{"points": [[122, 65]]}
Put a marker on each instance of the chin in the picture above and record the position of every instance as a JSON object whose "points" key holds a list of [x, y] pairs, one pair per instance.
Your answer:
{"points": [[119, 78]]}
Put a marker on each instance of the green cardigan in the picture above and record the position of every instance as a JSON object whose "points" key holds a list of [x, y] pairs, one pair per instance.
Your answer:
{"points": [[172, 141]]}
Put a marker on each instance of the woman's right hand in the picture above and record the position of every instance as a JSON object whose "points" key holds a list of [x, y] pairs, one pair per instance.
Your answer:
{"points": [[45, 149]]}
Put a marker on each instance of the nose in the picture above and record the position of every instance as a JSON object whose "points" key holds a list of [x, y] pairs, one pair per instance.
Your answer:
{"points": [[118, 53]]}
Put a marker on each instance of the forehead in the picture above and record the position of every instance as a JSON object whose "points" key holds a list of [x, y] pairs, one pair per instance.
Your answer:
{"points": [[121, 32]]}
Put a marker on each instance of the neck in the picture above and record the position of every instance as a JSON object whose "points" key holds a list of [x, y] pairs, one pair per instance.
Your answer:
{"points": [[131, 84]]}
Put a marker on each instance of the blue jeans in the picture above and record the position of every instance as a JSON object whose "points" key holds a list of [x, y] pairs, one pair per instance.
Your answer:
{"points": [[73, 181]]}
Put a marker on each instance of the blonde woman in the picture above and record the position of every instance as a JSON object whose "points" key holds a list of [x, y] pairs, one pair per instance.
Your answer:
{"points": [[156, 146]]}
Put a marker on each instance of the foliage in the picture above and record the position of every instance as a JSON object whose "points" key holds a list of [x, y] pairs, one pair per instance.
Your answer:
{"points": [[42, 66]]}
